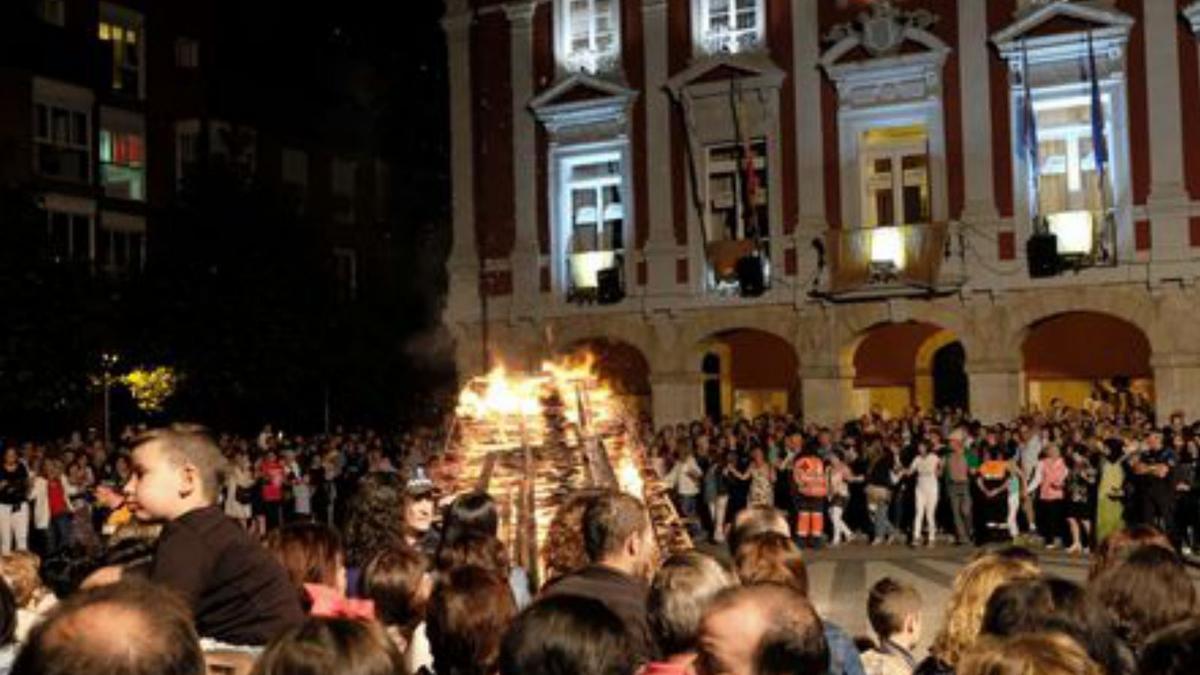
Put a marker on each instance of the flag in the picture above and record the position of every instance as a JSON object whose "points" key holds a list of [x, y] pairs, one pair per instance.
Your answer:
{"points": [[1029, 140], [747, 176], [1099, 141]]}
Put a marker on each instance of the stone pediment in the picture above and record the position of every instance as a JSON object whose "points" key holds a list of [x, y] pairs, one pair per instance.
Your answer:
{"points": [[581, 104], [751, 70], [1055, 31]]}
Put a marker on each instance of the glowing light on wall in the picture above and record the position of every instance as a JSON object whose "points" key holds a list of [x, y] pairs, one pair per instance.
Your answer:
{"points": [[887, 246], [1074, 231]]}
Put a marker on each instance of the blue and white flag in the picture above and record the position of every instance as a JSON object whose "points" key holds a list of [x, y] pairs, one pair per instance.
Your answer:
{"points": [[1099, 141], [1029, 139]]}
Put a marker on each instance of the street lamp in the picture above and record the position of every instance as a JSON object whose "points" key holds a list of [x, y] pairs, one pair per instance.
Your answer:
{"points": [[108, 365]]}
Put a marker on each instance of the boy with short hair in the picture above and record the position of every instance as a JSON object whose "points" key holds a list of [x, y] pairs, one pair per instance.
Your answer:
{"points": [[894, 610], [238, 593]]}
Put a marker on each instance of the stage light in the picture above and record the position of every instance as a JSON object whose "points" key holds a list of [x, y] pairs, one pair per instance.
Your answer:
{"points": [[1074, 231], [887, 246]]}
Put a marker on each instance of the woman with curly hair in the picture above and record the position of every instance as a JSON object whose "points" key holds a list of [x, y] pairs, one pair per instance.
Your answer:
{"points": [[373, 523], [1047, 653], [969, 596], [563, 551], [1146, 591]]}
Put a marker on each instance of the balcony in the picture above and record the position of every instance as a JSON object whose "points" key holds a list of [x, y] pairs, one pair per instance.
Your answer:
{"points": [[874, 262]]}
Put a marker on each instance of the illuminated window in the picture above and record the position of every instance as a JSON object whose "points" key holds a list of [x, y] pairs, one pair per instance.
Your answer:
{"points": [[121, 29], [732, 191], [894, 164], [591, 207], [69, 236], [62, 138], [1069, 190], [729, 26], [589, 34], [123, 164]]}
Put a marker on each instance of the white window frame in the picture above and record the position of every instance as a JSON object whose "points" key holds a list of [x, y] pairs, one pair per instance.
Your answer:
{"points": [[590, 60], [115, 223], [761, 163], [894, 152], [74, 101], [706, 41], [73, 207], [562, 159], [128, 19]]}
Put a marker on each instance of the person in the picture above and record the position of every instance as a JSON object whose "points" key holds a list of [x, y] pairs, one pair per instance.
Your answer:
{"points": [[1156, 493], [132, 627], [398, 582], [1081, 479], [239, 487], [469, 612], [622, 551], [569, 635], [958, 486], [420, 499], [312, 556], [8, 628], [1110, 516], [927, 466], [762, 479], [993, 483], [20, 570], [1117, 546], [372, 524], [1149, 590], [475, 513], [840, 478], [52, 514], [14, 509], [322, 645], [1050, 483], [564, 550], [973, 586], [881, 480], [273, 480], [1174, 650], [1050, 653], [764, 628], [894, 612], [238, 593], [682, 590], [812, 486], [684, 480]]}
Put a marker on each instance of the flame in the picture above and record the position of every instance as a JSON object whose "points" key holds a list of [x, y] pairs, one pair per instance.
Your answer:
{"points": [[629, 479]]}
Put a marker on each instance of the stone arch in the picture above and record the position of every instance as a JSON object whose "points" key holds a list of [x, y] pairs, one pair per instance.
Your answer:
{"points": [[1132, 308], [623, 366], [1078, 356], [857, 322], [564, 334], [757, 371]]}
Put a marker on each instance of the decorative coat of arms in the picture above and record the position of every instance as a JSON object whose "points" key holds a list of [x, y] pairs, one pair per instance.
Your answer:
{"points": [[882, 30]]}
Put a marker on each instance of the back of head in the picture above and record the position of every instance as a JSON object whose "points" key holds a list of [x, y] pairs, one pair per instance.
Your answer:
{"points": [[1119, 544], [373, 520], [681, 591], [1045, 653], [393, 581], [889, 603], [322, 646], [473, 549], [1021, 606], [568, 635], [790, 636], [756, 520], [471, 512], [130, 628], [1174, 650], [191, 445], [310, 552], [1149, 590], [771, 557], [20, 569], [609, 521], [469, 611], [973, 586]]}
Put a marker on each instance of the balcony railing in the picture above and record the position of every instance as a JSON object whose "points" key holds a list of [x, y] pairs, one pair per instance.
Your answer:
{"points": [[887, 259]]}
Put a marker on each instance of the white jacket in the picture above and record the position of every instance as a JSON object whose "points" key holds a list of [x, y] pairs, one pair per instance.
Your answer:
{"points": [[39, 494]]}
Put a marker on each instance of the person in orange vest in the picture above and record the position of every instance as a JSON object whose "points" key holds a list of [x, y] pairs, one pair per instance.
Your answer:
{"points": [[812, 486]]}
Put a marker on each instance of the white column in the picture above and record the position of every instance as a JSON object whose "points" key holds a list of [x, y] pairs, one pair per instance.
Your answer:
{"points": [[995, 388], [525, 258], [974, 85], [1168, 202], [661, 249], [463, 265], [1176, 385]]}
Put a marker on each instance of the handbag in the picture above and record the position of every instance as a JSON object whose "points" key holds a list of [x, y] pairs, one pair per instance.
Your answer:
{"points": [[878, 494]]}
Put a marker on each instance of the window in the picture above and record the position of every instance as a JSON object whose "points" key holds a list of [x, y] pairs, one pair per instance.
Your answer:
{"points": [[234, 146], [345, 269], [895, 171], [1069, 190], [589, 38], [187, 149], [592, 203], [342, 185], [53, 12], [121, 244], [121, 30], [62, 140], [123, 164], [733, 189], [69, 236], [187, 53], [729, 26]]}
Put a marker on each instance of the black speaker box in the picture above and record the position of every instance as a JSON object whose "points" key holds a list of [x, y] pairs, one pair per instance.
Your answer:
{"points": [[1042, 253], [608, 286], [750, 276]]}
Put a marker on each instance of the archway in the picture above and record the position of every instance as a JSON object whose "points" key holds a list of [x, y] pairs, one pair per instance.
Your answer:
{"points": [[748, 372], [621, 365], [1085, 358], [902, 365]]}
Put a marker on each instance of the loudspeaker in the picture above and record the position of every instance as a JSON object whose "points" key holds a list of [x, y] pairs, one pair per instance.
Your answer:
{"points": [[608, 286], [750, 276], [1042, 253]]}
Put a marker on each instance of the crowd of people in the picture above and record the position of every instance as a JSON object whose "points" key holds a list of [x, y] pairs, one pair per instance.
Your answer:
{"points": [[181, 552], [1063, 477]]}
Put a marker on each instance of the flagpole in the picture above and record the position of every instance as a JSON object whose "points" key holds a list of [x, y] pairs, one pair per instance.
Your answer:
{"points": [[1099, 139], [1029, 138]]}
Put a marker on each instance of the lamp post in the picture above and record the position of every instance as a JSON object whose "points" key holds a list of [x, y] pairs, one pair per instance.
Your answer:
{"points": [[108, 364]]}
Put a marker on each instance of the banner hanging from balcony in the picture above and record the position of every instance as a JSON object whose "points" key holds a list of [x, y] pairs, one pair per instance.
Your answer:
{"points": [[878, 257]]}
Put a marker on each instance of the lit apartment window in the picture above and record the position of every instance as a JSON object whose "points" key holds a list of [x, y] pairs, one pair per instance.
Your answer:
{"points": [[121, 242], [53, 12], [187, 53], [591, 206], [62, 141], [123, 164], [342, 186], [1069, 191], [589, 34], [729, 26], [895, 173], [69, 236], [121, 30], [345, 269]]}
